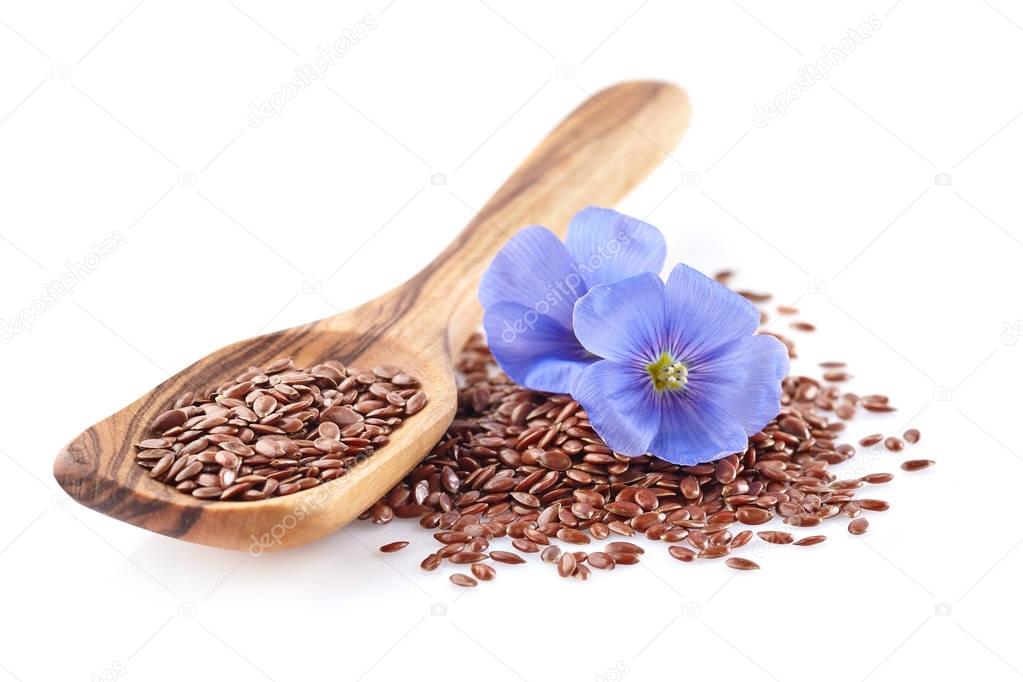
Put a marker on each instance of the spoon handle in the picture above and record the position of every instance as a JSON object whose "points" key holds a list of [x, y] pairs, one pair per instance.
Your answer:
{"points": [[594, 157]]}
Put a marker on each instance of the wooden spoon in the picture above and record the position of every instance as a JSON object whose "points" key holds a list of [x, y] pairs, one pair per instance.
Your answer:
{"points": [[594, 157]]}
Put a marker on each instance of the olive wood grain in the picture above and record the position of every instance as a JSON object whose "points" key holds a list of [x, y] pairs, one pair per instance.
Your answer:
{"points": [[594, 157]]}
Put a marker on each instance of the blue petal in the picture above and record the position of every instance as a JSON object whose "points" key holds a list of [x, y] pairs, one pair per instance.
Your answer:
{"points": [[744, 378], [534, 270], [623, 321], [534, 350], [620, 403], [608, 246], [703, 314], [694, 430], [730, 395]]}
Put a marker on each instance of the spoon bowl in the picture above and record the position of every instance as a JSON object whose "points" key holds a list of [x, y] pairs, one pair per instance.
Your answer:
{"points": [[595, 156]]}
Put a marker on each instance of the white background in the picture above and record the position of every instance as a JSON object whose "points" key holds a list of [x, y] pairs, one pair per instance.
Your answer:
{"points": [[883, 204]]}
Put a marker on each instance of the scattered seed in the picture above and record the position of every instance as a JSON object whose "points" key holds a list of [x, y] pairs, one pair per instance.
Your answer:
{"points": [[394, 547], [483, 571], [775, 537], [911, 436], [740, 564], [529, 467], [872, 439], [551, 554], [566, 565], [682, 553], [463, 580], [810, 540], [917, 464], [506, 557], [858, 526]]}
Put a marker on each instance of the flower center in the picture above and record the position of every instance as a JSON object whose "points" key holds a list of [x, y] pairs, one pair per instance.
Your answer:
{"points": [[667, 373]]}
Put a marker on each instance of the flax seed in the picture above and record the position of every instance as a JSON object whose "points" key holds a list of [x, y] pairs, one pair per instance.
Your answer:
{"points": [[528, 467], [740, 564], [271, 420], [463, 580]]}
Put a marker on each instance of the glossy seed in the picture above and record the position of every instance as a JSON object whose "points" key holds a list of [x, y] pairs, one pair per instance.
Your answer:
{"points": [[740, 564], [507, 557], [810, 540], [858, 526], [566, 565], [917, 464], [483, 571], [682, 553], [394, 546], [463, 580]]}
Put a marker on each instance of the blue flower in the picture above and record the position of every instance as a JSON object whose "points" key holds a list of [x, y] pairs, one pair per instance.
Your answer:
{"points": [[529, 291], [683, 377]]}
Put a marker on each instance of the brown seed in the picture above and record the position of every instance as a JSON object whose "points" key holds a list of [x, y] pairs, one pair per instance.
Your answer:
{"points": [[483, 571], [810, 540], [573, 536], [623, 547], [741, 538], [394, 546], [740, 564], [752, 516], [555, 460], [858, 526], [893, 443], [566, 565], [550, 554], [295, 428], [529, 466], [911, 436], [775, 537], [872, 439], [463, 580], [416, 403], [451, 537], [714, 552], [682, 553], [916, 464], [431, 562], [507, 557], [466, 557], [601, 560], [524, 545], [873, 505]]}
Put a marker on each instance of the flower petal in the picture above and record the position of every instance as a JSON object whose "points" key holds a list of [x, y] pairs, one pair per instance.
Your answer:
{"points": [[694, 430], [744, 378], [703, 314], [623, 321], [534, 270], [619, 400], [608, 246], [730, 395], [534, 350]]}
